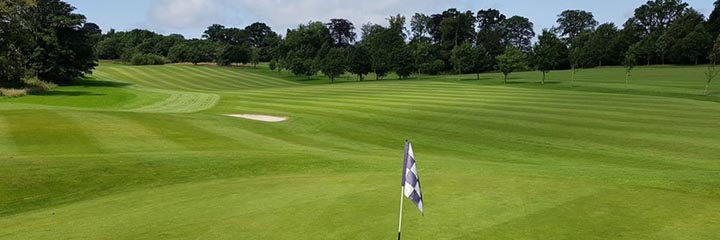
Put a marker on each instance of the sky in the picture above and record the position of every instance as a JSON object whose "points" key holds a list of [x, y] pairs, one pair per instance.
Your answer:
{"points": [[191, 17]]}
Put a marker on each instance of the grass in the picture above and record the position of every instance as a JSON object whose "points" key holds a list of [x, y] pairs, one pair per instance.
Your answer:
{"points": [[144, 152]]}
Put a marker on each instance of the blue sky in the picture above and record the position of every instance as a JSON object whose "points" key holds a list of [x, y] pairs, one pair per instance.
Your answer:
{"points": [[191, 17]]}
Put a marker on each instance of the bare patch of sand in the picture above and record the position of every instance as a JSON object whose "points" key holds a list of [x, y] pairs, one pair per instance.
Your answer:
{"points": [[257, 117]]}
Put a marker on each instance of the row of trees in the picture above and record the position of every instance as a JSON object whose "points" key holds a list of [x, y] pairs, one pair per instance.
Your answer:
{"points": [[220, 44], [660, 32], [44, 39]]}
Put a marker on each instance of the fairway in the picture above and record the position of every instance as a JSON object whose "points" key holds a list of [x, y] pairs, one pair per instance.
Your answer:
{"points": [[147, 152]]}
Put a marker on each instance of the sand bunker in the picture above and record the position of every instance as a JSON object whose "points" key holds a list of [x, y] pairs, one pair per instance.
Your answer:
{"points": [[256, 117]]}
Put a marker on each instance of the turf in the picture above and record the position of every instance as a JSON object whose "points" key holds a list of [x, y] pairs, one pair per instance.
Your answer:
{"points": [[146, 153]]}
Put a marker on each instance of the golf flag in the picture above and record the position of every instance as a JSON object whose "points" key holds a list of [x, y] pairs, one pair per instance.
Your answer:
{"points": [[410, 178]]}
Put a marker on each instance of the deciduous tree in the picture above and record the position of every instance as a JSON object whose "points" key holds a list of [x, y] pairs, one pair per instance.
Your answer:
{"points": [[512, 60], [712, 70], [342, 32], [547, 53], [334, 64], [519, 33], [573, 22]]}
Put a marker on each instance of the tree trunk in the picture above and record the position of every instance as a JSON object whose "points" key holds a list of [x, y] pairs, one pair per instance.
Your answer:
{"points": [[572, 76], [627, 78], [707, 88], [505, 79], [543, 79], [478, 76]]}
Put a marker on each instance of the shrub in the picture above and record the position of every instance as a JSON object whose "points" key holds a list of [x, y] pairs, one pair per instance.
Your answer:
{"points": [[37, 86], [148, 59], [10, 92]]}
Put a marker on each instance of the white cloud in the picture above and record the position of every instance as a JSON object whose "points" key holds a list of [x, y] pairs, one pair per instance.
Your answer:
{"points": [[283, 14], [184, 14]]}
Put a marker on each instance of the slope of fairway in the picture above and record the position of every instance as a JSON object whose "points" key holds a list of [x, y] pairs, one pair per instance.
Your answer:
{"points": [[150, 155], [190, 78]]}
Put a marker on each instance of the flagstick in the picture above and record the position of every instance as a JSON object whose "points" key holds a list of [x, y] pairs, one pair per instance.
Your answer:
{"points": [[402, 188], [402, 198]]}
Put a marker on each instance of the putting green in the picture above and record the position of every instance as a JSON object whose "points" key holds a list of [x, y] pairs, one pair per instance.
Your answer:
{"points": [[148, 153]]}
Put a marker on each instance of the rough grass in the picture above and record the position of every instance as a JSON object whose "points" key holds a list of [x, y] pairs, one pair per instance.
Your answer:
{"points": [[12, 92], [146, 153]]}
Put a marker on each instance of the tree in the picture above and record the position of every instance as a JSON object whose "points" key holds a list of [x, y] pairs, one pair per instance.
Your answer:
{"points": [[713, 22], [697, 44], [420, 26], [334, 64], [675, 40], [15, 42], [456, 28], [662, 46], [273, 65], [342, 32], [359, 61], [519, 33], [404, 62], [197, 51], [255, 56], [657, 15], [262, 37], [234, 54], [382, 43], [490, 34], [512, 60], [601, 44], [712, 70], [63, 49], [629, 63], [463, 58], [482, 61], [215, 32], [299, 66], [227, 36], [547, 53], [573, 22], [422, 54], [306, 46]]}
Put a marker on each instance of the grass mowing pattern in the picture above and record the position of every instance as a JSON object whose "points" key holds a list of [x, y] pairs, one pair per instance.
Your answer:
{"points": [[157, 160], [180, 102]]}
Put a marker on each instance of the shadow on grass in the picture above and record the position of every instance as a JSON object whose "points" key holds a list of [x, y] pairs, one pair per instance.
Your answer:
{"points": [[70, 93], [90, 82], [510, 82]]}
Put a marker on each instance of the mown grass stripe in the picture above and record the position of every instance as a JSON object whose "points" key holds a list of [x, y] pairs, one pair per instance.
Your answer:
{"points": [[209, 80], [134, 137], [228, 82], [7, 141]]}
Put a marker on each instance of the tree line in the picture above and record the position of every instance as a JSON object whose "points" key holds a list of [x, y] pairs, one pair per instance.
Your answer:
{"points": [[64, 46]]}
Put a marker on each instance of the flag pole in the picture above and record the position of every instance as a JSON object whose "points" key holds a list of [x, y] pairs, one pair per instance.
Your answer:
{"points": [[402, 189]]}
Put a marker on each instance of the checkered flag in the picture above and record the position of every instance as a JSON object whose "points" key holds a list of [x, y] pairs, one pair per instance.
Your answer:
{"points": [[410, 179]]}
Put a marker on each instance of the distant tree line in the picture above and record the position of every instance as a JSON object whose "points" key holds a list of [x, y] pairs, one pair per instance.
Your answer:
{"points": [[219, 44], [48, 40], [44, 39], [660, 32]]}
